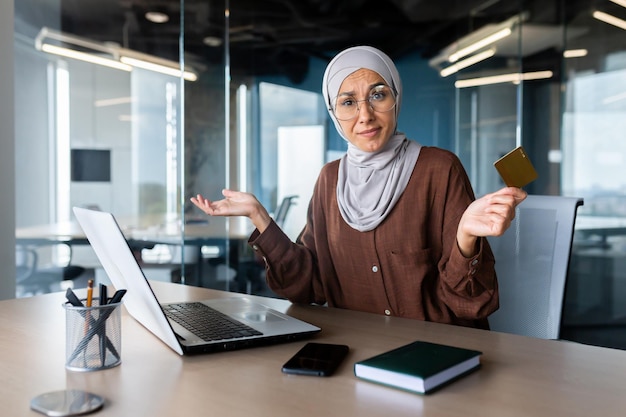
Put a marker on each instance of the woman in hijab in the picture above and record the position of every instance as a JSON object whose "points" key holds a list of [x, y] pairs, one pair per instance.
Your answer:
{"points": [[393, 227]]}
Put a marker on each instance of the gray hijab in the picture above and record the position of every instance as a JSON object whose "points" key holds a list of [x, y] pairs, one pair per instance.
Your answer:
{"points": [[369, 183]]}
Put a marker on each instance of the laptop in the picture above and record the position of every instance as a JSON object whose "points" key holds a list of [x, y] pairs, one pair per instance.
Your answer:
{"points": [[173, 322]]}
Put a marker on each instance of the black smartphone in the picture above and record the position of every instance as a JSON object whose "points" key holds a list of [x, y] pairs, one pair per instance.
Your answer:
{"points": [[319, 359]]}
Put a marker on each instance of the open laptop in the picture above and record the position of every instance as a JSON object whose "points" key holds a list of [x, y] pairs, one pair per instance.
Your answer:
{"points": [[262, 325]]}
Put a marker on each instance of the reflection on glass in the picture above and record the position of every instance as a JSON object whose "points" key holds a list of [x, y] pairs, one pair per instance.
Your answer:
{"points": [[73, 102]]}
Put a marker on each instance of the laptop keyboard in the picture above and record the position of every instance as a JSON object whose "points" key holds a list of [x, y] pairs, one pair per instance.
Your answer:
{"points": [[207, 323]]}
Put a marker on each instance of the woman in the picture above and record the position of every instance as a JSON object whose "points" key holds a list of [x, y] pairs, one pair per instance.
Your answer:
{"points": [[392, 227]]}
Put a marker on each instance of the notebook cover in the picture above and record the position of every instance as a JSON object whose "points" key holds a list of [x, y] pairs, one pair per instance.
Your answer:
{"points": [[410, 366]]}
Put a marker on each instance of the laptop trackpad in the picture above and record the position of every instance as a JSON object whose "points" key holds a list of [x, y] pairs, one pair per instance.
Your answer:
{"points": [[258, 316]]}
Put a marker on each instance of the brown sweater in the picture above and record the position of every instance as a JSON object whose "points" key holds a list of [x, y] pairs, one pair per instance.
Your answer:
{"points": [[409, 266]]}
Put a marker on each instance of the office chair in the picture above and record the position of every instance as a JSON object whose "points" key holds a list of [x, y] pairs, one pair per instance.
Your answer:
{"points": [[532, 259], [253, 269], [36, 276], [283, 209]]}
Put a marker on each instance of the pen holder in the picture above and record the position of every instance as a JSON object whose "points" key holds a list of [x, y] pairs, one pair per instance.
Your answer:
{"points": [[93, 336]]}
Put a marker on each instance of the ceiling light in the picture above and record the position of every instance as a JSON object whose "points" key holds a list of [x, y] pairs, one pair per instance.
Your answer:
{"points": [[574, 53], [515, 77], [620, 2], [488, 40], [212, 41], [120, 58], [610, 19], [112, 101], [157, 17], [492, 35], [481, 56], [615, 98], [163, 69], [82, 56]]}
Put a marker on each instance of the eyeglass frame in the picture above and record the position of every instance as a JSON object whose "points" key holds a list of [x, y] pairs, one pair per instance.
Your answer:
{"points": [[358, 107]]}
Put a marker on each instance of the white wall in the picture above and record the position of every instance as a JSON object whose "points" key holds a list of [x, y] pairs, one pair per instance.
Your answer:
{"points": [[33, 192], [300, 159]]}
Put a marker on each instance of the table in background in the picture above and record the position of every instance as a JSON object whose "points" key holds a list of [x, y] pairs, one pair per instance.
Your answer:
{"points": [[228, 235], [520, 376]]}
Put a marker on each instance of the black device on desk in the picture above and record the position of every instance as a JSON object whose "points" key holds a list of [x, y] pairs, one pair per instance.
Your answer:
{"points": [[319, 359]]}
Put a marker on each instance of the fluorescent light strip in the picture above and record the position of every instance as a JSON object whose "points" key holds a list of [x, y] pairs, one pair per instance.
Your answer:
{"points": [[157, 17], [574, 53], [615, 98], [479, 44], [610, 19], [504, 78], [242, 118], [82, 56], [138, 63], [467, 62], [112, 101], [620, 2], [124, 63]]}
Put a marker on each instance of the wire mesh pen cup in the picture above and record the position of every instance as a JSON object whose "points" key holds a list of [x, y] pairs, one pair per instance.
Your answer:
{"points": [[93, 336]]}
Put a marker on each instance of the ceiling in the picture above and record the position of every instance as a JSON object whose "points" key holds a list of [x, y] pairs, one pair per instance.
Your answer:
{"points": [[277, 36]]}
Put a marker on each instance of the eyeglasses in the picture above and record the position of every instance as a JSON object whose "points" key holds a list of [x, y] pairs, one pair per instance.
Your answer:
{"points": [[381, 99]]}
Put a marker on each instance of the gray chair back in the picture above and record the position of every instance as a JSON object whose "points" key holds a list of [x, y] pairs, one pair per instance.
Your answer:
{"points": [[532, 259], [283, 209]]}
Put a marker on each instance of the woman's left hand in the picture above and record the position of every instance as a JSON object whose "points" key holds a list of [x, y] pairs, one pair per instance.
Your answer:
{"points": [[490, 215]]}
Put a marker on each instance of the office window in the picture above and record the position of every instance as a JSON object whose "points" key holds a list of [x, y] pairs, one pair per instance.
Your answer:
{"points": [[592, 159]]}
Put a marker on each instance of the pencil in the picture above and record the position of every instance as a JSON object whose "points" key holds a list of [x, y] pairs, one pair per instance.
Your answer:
{"points": [[88, 304], [89, 292]]}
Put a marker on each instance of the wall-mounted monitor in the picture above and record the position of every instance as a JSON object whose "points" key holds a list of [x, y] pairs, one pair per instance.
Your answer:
{"points": [[91, 165]]}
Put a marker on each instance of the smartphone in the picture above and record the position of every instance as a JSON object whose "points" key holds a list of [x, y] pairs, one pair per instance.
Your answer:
{"points": [[318, 359], [516, 169]]}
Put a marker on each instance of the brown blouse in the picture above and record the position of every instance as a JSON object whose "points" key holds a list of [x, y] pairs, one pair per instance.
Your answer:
{"points": [[409, 266]]}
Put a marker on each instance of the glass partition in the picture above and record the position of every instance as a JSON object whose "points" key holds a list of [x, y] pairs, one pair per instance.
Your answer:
{"points": [[115, 119], [592, 166]]}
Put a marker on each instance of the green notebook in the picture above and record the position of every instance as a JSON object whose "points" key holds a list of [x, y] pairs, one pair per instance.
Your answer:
{"points": [[419, 367]]}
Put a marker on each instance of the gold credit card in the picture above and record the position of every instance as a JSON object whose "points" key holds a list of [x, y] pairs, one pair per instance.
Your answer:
{"points": [[515, 168]]}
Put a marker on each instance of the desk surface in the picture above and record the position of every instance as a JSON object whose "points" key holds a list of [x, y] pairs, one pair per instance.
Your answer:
{"points": [[519, 376]]}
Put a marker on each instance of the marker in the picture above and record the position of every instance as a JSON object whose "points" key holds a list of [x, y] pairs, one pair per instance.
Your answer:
{"points": [[103, 333], [73, 299], [117, 297], [104, 297]]}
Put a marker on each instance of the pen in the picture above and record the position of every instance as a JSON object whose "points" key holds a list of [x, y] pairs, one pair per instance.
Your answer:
{"points": [[73, 299], [103, 332], [117, 297], [104, 299]]}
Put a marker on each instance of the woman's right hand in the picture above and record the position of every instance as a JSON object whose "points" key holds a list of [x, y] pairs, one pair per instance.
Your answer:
{"points": [[235, 203]]}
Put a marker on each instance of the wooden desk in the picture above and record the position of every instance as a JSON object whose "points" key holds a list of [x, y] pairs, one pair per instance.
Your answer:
{"points": [[520, 376]]}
